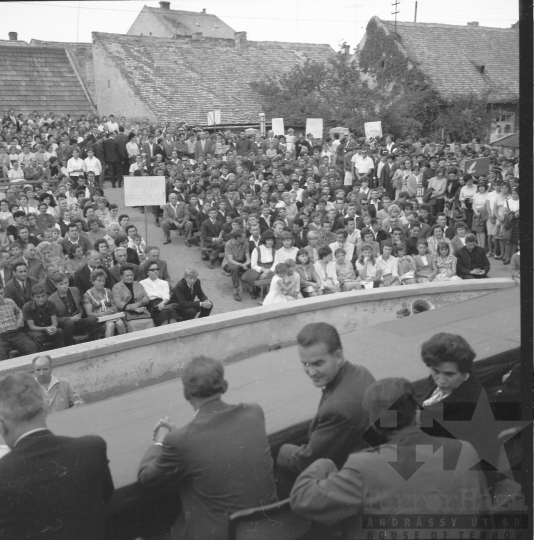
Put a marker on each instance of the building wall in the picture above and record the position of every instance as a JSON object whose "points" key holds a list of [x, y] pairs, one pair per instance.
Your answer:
{"points": [[505, 109], [148, 25], [113, 93]]}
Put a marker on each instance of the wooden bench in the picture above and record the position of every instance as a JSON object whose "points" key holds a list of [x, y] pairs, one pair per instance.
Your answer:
{"points": [[263, 283], [82, 338]]}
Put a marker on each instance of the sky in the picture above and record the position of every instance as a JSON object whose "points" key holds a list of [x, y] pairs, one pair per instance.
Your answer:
{"points": [[304, 21]]}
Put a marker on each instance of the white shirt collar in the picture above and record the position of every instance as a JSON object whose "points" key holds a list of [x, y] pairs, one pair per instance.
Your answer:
{"points": [[29, 433]]}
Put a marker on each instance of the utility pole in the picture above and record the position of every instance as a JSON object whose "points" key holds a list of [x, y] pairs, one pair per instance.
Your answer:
{"points": [[415, 15], [394, 5]]}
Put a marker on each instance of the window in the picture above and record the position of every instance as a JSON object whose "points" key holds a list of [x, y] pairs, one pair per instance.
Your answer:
{"points": [[504, 123]]}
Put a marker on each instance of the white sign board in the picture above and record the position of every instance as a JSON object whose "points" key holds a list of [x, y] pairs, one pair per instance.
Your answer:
{"points": [[214, 118], [315, 127], [278, 126], [144, 191], [373, 129]]}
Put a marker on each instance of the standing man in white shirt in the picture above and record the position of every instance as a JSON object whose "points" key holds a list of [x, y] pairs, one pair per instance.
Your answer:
{"points": [[362, 166], [92, 164], [76, 166], [111, 124]]}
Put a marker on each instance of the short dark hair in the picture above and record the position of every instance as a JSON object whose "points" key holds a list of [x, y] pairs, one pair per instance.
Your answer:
{"points": [[445, 347], [203, 377], [38, 289], [123, 269], [321, 332]]}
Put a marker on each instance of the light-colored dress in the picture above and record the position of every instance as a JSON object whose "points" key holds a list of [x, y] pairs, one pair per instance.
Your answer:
{"points": [[445, 268], [276, 296]]}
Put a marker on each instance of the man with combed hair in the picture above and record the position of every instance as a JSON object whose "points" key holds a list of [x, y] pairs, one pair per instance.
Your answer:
{"points": [[406, 476], [221, 459], [339, 425], [52, 488], [185, 293]]}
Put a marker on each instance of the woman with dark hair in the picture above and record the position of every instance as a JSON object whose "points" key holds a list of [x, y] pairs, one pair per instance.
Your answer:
{"points": [[76, 258], [132, 148], [452, 395], [480, 213], [261, 262], [287, 251], [106, 259], [439, 185], [326, 269], [310, 282]]}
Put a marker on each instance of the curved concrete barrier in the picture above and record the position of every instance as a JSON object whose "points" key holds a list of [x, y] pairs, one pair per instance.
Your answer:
{"points": [[121, 364]]}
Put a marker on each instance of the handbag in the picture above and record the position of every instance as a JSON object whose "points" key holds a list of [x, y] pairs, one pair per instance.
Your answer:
{"points": [[131, 316]]}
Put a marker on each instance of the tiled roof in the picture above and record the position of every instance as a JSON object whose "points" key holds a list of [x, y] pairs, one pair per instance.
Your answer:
{"points": [[182, 79], [82, 56], [13, 43], [36, 78], [180, 22], [451, 57], [511, 141]]}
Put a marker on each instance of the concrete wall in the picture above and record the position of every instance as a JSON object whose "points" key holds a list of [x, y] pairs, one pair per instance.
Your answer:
{"points": [[124, 363], [114, 94]]}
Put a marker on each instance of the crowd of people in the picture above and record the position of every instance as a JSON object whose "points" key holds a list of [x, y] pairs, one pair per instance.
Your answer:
{"points": [[305, 216], [375, 449]]}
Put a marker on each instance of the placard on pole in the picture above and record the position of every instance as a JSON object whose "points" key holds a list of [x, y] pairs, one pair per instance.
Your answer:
{"points": [[144, 191]]}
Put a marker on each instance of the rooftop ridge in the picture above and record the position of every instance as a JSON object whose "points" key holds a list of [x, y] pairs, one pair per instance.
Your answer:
{"points": [[441, 25]]}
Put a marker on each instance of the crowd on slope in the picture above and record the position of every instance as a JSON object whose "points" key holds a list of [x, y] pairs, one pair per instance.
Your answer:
{"points": [[307, 216]]}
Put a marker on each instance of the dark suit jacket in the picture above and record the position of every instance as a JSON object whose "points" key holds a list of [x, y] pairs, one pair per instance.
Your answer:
{"points": [[182, 294], [112, 152], [209, 230], [82, 278], [222, 462], [464, 265], [60, 306], [114, 271], [162, 274], [122, 141], [55, 488], [156, 149], [300, 240], [381, 235], [338, 427], [49, 285], [13, 290]]}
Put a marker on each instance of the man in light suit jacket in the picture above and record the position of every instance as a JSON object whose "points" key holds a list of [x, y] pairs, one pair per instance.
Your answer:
{"points": [[37, 500], [340, 423], [184, 294], [121, 256], [70, 312], [329, 495], [203, 147], [220, 460], [176, 217], [266, 143]]}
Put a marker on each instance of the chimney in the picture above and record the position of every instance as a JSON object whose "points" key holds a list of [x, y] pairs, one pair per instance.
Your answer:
{"points": [[13, 36], [203, 11], [165, 5], [240, 40], [346, 49], [473, 24], [197, 36]]}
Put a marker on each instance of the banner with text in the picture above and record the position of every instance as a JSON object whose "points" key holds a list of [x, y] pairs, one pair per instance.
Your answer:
{"points": [[315, 127], [214, 118], [278, 126], [373, 129], [144, 191]]}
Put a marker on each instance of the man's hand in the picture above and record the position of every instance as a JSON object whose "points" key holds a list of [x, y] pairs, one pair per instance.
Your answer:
{"points": [[475, 271], [162, 428], [77, 317], [51, 330], [161, 306], [20, 323]]}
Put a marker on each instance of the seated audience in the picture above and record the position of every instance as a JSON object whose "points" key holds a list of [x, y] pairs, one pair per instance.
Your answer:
{"points": [[261, 263], [345, 272], [159, 296], [281, 286], [184, 294], [82, 277], [97, 302], [444, 264], [227, 443], [19, 287], [71, 316], [367, 267], [405, 265], [153, 254], [472, 260], [310, 282], [236, 259], [387, 265], [326, 270], [424, 263]]}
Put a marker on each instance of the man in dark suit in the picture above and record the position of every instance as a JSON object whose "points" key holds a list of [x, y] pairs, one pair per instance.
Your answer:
{"points": [[168, 146], [53, 488], [338, 427], [19, 288], [122, 141], [203, 147], [112, 156], [329, 495], [82, 277], [378, 232], [70, 312], [211, 234], [220, 460], [184, 294], [152, 254], [300, 236], [152, 149]]}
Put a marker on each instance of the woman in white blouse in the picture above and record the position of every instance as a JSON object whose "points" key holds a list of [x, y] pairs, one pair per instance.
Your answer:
{"points": [[132, 148], [261, 263], [287, 251], [159, 296], [466, 198], [326, 268]]}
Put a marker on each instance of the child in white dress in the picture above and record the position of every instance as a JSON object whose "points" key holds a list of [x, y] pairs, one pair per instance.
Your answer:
{"points": [[279, 290]]}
